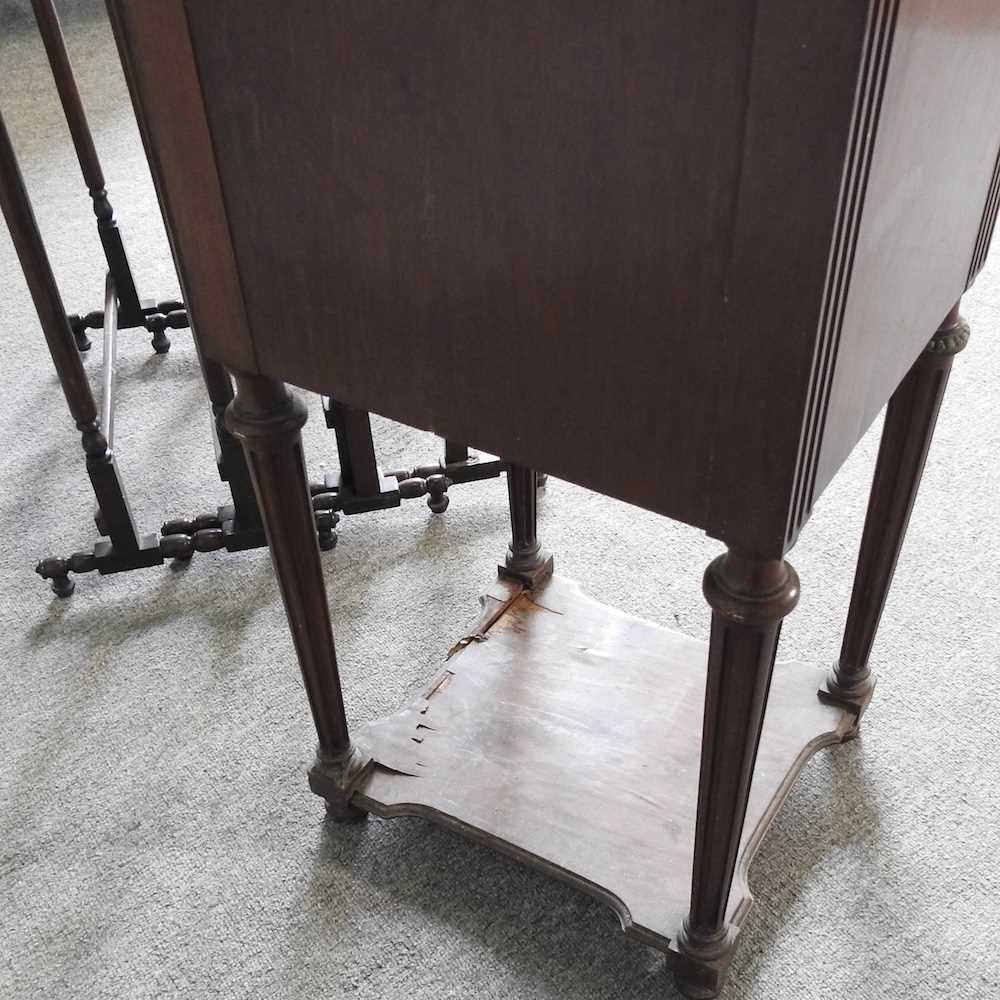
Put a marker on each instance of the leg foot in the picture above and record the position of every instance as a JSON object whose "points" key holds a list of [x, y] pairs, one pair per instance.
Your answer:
{"points": [[701, 967], [856, 698], [327, 538], [437, 493], [57, 570], [83, 341], [331, 777], [160, 342], [525, 561]]}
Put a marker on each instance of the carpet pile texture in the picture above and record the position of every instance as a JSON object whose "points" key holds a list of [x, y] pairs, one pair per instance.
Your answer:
{"points": [[157, 838]]}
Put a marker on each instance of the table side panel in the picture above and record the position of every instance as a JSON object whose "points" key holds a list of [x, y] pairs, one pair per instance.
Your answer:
{"points": [[933, 164], [506, 223], [567, 231], [800, 126]]}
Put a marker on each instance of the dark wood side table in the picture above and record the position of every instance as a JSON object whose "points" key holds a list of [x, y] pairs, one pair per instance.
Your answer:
{"points": [[719, 234], [360, 487]]}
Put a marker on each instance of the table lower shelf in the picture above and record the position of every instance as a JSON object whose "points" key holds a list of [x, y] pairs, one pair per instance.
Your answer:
{"points": [[567, 734]]}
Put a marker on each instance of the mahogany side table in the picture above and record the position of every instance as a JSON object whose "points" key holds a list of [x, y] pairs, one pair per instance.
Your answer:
{"points": [[723, 234]]}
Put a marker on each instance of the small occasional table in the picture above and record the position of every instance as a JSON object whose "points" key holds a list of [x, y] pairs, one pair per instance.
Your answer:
{"points": [[679, 253]]}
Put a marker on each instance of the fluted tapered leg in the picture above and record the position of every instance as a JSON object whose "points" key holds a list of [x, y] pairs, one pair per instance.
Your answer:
{"points": [[749, 598], [906, 438], [526, 561], [268, 419]]}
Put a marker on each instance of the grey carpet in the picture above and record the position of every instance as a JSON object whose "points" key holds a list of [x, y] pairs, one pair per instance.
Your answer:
{"points": [[157, 835]]}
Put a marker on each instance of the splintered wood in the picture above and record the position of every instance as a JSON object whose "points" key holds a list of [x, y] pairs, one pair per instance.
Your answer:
{"points": [[568, 734]]}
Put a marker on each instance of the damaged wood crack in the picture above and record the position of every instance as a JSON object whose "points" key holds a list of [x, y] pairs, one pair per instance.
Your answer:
{"points": [[464, 641]]}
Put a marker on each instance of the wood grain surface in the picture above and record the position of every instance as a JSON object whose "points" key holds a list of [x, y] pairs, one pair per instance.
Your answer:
{"points": [[678, 253], [568, 734]]}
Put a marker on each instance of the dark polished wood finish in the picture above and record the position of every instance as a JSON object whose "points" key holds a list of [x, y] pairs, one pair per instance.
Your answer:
{"points": [[236, 526], [361, 486], [500, 191], [268, 419], [906, 438], [697, 232], [749, 598], [558, 730], [526, 561], [359, 472]]}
